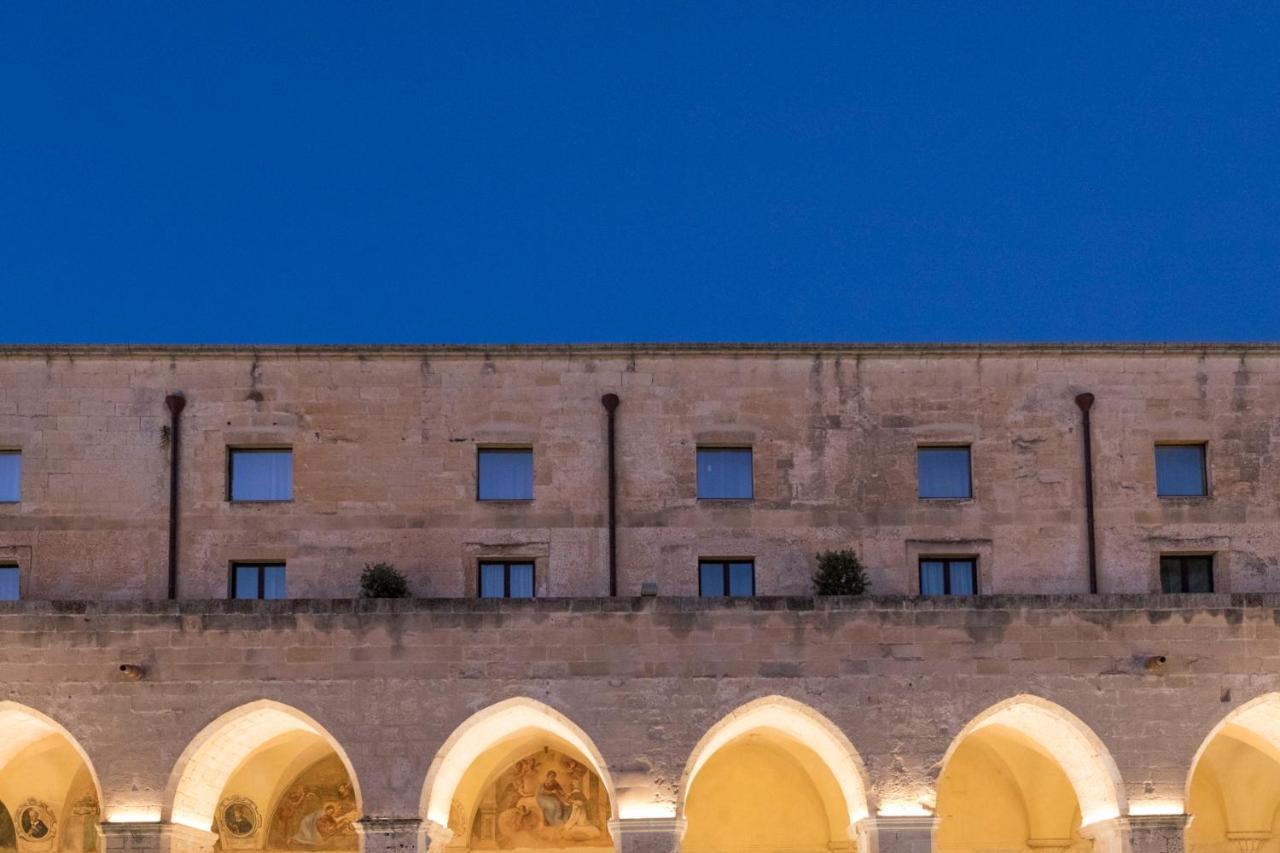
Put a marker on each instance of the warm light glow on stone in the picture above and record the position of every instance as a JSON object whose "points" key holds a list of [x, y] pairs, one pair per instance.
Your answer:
{"points": [[1156, 807], [135, 814], [648, 809], [798, 722], [902, 808], [1082, 757]]}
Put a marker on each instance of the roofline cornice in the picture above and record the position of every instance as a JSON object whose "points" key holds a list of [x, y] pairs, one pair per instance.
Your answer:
{"points": [[847, 350]]}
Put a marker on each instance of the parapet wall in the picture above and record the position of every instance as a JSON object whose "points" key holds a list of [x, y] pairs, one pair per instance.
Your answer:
{"points": [[645, 679]]}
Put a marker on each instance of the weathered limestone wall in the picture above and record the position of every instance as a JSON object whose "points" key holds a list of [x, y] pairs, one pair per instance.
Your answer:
{"points": [[645, 679], [385, 442]]}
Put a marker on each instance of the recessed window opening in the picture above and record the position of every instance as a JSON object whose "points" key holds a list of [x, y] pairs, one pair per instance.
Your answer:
{"points": [[724, 473], [259, 474], [504, 474], [506, 579], [943, 473], [726, 578], [258, 580], [948, 576]]}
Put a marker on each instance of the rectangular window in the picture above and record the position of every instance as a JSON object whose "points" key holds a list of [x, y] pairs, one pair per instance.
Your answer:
{"points": [[257, 580], [1180, 471], [724, 473], [506, 579], [9, 589], [948, 576], [720, 578], [10, 476], [943, 473], [260, 474], [1186, 573], [504, 474]]}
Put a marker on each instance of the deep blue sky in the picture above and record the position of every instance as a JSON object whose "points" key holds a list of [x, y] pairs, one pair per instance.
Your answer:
{"points": [[470, 172]]}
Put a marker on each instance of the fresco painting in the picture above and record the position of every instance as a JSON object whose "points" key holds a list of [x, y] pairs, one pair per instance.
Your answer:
{"points": [[317, 811], [547, 800]]}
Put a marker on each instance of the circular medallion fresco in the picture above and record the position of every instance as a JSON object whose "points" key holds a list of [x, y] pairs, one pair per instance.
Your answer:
{"points": [[35, 821]]}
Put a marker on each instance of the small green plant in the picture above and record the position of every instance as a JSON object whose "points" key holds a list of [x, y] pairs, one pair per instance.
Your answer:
{"points": [[840, 573], [382, 580]]}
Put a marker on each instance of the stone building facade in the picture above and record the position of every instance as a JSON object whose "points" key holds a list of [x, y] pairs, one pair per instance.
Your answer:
{"points": [[1034, 715]]}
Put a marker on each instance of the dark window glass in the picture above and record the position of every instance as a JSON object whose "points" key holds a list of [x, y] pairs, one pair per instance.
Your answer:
{"points": [[261, 475], [10, 476], [943, 472], [947, 576], [504, 474], [724, 473], [1180, 471], [506, 580], [9, 583], [1186, 574], [257, 580], [717, 578]]}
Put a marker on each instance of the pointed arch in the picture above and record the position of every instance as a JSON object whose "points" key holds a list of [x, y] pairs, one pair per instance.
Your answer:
{"points": [[799, 722], [208, 762], [21, 726], [1259, 716], [1068, 741], [489, 728]]}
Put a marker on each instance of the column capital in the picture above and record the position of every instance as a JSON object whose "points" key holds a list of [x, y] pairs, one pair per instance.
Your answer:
{"points": [[390, 834], [1153, 833], [438, 836], [895, 833], [155, 837], [648, 835]]}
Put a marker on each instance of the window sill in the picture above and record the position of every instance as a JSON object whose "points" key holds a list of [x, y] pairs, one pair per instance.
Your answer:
{"points": [[504, 500], [967, 500], [259, 503], [1181, 499], [702, 500]]}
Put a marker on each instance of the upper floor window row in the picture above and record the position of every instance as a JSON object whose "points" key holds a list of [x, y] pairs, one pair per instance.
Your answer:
{"points": [[943, 472]]}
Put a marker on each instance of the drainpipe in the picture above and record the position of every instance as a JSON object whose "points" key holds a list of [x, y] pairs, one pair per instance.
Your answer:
{"points": [[175, 403], [1085, 402], [610, 402]]}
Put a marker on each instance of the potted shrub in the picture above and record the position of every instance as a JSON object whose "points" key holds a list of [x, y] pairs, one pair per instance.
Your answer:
{"points": [[382, 580], [840, 573]]}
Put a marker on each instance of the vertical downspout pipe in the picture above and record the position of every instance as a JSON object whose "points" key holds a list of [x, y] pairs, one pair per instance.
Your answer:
{"points": [[175, 403], [610, 403], [1085, 402]]}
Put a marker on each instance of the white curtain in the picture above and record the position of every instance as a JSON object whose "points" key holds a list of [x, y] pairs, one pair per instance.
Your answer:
{"points": [[10, 477], [9, 584], [724, 472], [261, 475], [943, 472], [506, 474]]}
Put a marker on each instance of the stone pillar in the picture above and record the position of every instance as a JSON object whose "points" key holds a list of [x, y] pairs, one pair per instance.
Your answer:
{"points": [[896, 834], [648, 835], [390, 834], [1138, 834], [154, 837]]}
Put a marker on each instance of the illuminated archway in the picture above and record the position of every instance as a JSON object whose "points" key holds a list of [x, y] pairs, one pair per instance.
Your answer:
{"points": [[491, 770], [1025, 774], [266, 776], [1233, 787], [48, 788], [773, 773]]}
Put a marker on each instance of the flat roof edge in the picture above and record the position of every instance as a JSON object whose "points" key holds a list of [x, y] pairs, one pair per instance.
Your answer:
{"points": [[627, 349]]}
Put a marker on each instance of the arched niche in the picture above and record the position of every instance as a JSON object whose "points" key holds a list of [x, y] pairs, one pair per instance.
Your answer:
{"points": [[265, 777], [1025, 774], [48, 788], [772, 774], [1233, 786], [493, 776]]}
